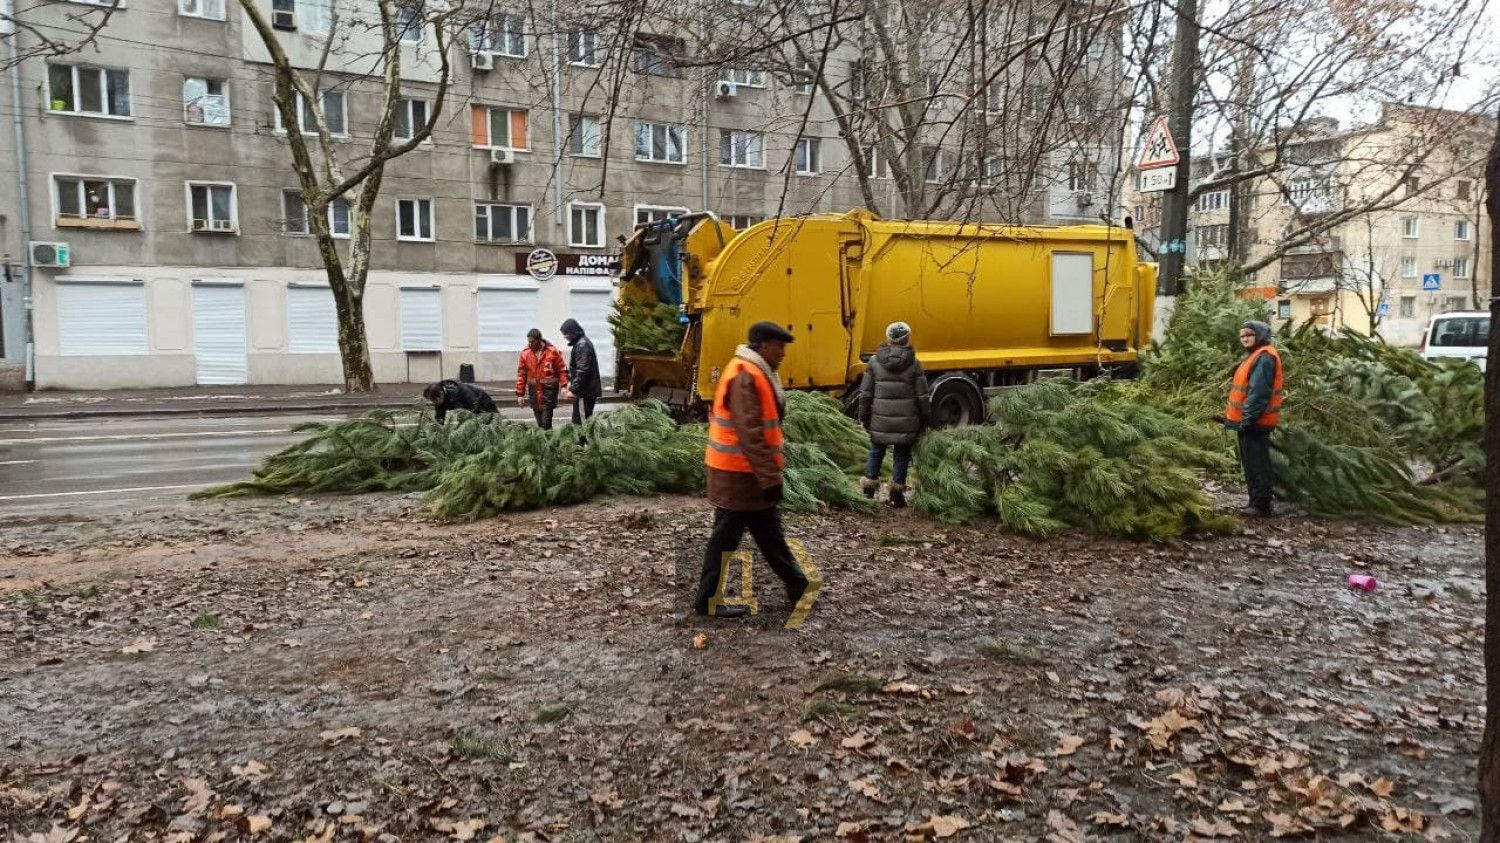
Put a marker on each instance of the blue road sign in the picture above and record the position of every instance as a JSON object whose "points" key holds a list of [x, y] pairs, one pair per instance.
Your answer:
{"points": [[1384, 309], [1432, 282]]}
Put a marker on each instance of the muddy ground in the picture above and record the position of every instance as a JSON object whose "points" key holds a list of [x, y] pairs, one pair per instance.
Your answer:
{"points": [[345, 668]]}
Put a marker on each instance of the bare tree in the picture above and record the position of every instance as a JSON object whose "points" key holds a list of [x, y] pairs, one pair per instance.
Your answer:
{"points": [[324, 170], [46, 37]]}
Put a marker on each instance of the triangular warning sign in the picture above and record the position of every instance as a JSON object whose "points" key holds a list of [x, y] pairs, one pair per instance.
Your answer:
{"points": [[1159, 150]]}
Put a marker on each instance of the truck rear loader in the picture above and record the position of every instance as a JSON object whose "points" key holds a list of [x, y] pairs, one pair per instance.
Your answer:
{"points": [[989, 305]]}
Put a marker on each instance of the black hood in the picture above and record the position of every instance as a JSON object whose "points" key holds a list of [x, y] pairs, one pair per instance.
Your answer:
{"points": [[572, 330], [895, 358]]}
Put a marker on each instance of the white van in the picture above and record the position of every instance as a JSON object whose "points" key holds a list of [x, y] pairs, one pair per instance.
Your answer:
{"points": [[1463, 334]]}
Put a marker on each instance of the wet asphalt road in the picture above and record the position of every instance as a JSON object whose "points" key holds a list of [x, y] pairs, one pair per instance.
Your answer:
{"points": [[61, 466]]}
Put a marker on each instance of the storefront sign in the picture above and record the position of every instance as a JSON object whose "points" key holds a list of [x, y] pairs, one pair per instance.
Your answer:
{"points": [[542, 264]]}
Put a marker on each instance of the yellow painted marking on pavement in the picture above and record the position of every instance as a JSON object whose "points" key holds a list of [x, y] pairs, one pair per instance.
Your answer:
{"points": [[814, 583], [747, 592]]}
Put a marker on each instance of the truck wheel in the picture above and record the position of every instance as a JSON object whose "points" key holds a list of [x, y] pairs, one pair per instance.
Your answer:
{"points": [[956, 400]]}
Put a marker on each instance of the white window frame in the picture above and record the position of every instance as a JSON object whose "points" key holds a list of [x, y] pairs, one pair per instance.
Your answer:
{"points": [[807, 156], [202, 4], [575, 120], [224, 96], [740, 144], [511, 208], [211, 227], [104, 72], [583, 47], [1461, 267], [489, 128], [742, 77], [56, 191], [994, 98], [1408, 266], [1411, 227], [301, 109], [573, 239], [1407, 307], [667, 131], [875, 164], [1081, 175], [417, 237], [934, 165], [307, 231], [748, 220], [505, 25], [1462, 230], [416, 20], [803, 82], [992, 167], [1214, 200], [408, 105], [654, 213]]}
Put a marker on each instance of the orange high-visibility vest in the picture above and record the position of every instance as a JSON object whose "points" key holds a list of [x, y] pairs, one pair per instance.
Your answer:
{"points": [[724, 451], [1239, 388]]}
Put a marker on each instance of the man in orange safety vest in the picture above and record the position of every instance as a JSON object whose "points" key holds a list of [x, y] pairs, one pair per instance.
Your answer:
{"points": [[1254, 410], [744, 458]]}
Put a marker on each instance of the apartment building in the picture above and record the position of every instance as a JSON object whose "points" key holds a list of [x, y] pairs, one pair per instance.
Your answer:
{"points": [[1404, 194], [158, 165]]}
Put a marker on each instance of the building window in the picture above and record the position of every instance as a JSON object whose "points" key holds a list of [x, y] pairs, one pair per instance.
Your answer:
{"points": [[876, 164], [585, 136], [1408, 267], [739, 148], [1214, 200], [334, 114], [502, 35], [409, 23], [1460, 229], [211, 9], [211, 207], [294, 218], [740, 222], [414, 219], [1408, 307], [660, 142], [498, 223], [310, 15], [809, 156], [991, 168], [1412, 184], [994, 98], [205, 102], [494, 127], [586, 225], [1461, 267], [583, 45], [82, 198], [1410, 227], [934, 165], [803, 82], [747, 78], [655, 55], [1452, 303], [1080, 176], [1461, 188], [411, 117], [1213, 236], [655, 213], [100, 91], [857, 79], [1284, 309]]}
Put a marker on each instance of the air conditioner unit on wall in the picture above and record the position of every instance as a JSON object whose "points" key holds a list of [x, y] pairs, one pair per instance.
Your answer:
{"points": [[482, 61], [724, 90], [54, 255], [284, 20], [1083, 198], [502, 156]]}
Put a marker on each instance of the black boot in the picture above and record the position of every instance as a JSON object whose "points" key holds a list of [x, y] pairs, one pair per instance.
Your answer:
{"points": [[723, 612], [898, 495], [869, 485]]}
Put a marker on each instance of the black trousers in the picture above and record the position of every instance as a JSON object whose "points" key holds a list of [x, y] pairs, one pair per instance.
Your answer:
{"points": [[729, 527], [1255, 457], [583, 408], [548, 404]]}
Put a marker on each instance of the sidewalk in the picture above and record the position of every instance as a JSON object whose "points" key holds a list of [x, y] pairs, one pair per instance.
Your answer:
{"points": [[220, 400]]}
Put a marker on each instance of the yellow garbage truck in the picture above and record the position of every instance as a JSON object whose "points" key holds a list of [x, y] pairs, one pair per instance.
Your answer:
{"points": [[989, 305]]}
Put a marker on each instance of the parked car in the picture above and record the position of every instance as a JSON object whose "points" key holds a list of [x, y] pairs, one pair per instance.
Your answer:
{"points": [[1463, 334]]}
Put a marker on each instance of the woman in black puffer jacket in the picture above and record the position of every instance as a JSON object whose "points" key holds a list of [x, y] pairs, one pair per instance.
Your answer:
{"points": [[895, 407]]}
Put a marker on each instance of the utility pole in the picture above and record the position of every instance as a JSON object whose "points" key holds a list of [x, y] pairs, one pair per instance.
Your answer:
{"points": [[1174, 206]]}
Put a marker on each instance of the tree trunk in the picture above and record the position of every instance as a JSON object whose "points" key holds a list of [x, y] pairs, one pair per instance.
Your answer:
{"points": [[1489, 750], [354, 346]]}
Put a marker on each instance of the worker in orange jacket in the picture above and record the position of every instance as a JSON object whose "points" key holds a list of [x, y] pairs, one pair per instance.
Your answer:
{"points": [[540, 376], [1254, 410], [744, 460]]}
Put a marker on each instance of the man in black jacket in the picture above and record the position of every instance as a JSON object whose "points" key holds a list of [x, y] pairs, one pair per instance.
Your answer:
{"points": [[584, 387], [452, 395]]}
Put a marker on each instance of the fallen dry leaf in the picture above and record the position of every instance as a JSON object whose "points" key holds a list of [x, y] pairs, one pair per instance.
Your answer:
{"points": [[847, 829], [1105, 818], [1217, 828], [700, 641], [858, 740], [334, 736], [802, 738], [1185, 777], [257, 824], [947, 825], [140, 645], [1064, 830], [685, 811], [1068, 744], [252, 770], [198, 798], [901, 688], [1382, 787]]}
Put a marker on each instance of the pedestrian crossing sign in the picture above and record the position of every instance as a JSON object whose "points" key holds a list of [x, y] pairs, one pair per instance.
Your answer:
{"points": [[1159, 150], [1432, 282]]}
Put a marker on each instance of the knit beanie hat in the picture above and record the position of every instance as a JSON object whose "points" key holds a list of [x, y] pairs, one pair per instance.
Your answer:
{"points": [[898, 333]]}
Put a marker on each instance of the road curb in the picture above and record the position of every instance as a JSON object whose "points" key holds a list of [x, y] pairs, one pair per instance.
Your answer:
{"points": [[235, 409]]}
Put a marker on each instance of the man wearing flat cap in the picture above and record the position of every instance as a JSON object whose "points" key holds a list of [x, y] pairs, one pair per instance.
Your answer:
{"points": [[745, 460]]}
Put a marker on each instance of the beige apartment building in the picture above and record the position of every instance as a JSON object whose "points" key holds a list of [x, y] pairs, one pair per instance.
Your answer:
{"points": [[1417, 249], [157, 164]]}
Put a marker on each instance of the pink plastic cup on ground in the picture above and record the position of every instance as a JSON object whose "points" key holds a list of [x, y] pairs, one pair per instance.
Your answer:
{"points": [[1363, 582]]}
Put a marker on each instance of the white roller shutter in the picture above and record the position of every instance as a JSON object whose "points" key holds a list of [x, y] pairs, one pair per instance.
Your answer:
{"points": [[421, 319], [505, 315], [591, 306], [219, 333], [312, 324], [101, 317]]}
